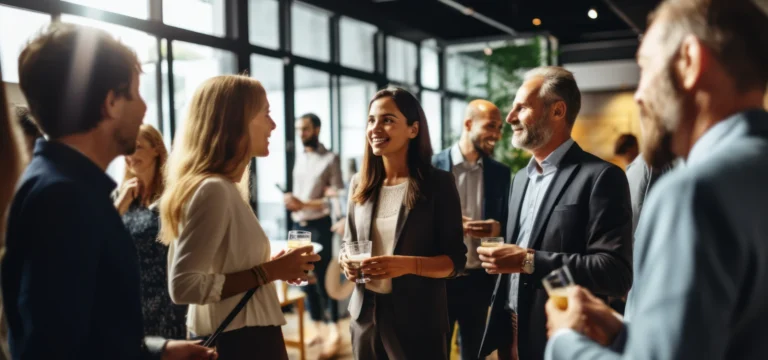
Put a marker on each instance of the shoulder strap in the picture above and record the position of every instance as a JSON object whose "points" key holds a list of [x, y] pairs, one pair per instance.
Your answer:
{"points": [[211, 339]]}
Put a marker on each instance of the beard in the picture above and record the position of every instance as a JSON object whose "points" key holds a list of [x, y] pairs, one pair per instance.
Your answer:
{"points": [[661, 115], [312, 142], [477, 142], [534, 135]]}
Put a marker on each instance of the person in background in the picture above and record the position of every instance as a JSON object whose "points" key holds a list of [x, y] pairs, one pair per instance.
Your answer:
{"points": [[218, 250], [136, 201], [641, 178], [701, 278], [627, 148], [28, 127], [411, 213], [483, 185], [13, 162], [70, 275], [566, 208], [316, 172]]}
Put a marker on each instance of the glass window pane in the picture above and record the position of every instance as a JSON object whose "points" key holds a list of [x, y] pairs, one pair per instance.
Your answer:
{"points": [[357, 44], [310, 29], [430, 70], [457, 109], [271, 170], [430, 101], [313, 95], [135, 8], [192, 65], [401, 60], [465, 74], [203, 16], [16, 28], [145, 47], [355, 96], [263, 23]]}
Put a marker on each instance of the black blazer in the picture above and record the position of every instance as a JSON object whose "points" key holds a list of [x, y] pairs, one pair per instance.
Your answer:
{"points": [[432, 228], [585, 222], [496, 181]]}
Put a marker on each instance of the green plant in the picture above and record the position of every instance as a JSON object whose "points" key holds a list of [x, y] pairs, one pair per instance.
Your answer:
{"points": [[504, 70]]}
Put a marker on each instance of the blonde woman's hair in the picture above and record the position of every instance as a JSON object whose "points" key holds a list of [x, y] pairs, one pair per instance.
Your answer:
{"points": [[155, 140], [214, 140]]}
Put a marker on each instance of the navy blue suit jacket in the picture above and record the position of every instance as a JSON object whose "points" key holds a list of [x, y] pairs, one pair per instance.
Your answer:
{"points": [[496, 180], [70, 275]]}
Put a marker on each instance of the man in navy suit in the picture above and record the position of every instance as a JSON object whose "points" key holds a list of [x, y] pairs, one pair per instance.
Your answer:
{"points": [[70, 275], [483, 185]]}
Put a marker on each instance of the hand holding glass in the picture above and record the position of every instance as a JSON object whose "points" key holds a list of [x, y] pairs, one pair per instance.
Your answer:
{"points": [[356, 252], [298, 239], [557, 284]]}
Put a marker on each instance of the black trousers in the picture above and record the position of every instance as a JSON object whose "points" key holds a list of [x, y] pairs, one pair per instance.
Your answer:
{"points": [[468, 300], [318, 301]]}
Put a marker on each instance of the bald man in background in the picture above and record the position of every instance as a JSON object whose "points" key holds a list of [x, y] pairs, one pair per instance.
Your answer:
{"points": [[483, 185]]}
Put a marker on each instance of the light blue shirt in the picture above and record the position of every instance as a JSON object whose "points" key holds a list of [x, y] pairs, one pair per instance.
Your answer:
{"points": [[538, 185], [469, 182], [700, 257]]}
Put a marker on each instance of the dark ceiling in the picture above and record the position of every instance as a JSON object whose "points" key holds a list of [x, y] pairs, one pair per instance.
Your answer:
{"points": [[565, 19]]}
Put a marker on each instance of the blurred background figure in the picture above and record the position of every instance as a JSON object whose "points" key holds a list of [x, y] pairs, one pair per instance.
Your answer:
{"points": [[627, 149]]}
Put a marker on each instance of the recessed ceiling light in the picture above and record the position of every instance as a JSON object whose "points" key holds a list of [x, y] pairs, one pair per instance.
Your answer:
{"points": [[592, 13], [488, 51], [536, 21]]}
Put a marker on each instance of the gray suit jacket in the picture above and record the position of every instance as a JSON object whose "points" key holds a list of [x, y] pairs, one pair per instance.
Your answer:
{"points": [[432, 228], [701, 257], [641, 178]]}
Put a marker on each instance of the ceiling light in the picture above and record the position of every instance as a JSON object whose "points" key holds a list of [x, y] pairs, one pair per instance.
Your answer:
{"points": [[592, 13], [536, 21], [488, 51]]}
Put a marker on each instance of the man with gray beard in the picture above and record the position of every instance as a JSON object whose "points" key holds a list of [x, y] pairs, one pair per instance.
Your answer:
{"points": [[701, 249], [567, 208]]}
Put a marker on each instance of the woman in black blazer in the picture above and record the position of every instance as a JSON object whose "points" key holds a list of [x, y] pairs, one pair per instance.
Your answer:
{"points": [[412, 214]]}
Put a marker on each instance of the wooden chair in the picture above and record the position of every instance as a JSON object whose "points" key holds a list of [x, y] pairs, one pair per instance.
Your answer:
{"points": [[295, 297]]}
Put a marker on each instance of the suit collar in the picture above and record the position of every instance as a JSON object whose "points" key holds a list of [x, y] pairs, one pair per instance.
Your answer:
{"points": [[736, 125]]}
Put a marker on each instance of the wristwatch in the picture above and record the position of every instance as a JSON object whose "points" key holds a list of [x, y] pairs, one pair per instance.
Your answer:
{"points": [[528, 262]]}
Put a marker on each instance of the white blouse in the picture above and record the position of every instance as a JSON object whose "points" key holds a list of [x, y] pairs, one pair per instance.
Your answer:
{"points": [[384, 228], [219, 235]]}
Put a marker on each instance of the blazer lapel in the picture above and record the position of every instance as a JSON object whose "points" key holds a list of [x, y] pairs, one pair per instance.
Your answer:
{"points": [[559, 184], [402, 218], [363, 217], [519, 184]]}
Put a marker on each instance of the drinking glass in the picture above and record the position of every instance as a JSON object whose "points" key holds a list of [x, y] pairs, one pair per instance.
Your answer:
{"points": [[298, 239], [491, 241], [356, 252], [557, 284]]}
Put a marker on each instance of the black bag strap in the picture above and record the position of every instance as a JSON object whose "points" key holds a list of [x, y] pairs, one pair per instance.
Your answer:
{"points": [[211, 339]]}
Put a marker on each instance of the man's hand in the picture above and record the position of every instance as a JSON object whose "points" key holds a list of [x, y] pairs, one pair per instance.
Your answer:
{"points": [[585, 314], [504, 259], [482, 228], [187, 350], [292, 203]]}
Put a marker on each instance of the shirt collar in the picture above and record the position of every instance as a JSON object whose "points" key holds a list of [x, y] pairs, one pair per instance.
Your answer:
{"points": [[714, 135], [75, 164], [551, 162], [457, 158], [320, 149]]}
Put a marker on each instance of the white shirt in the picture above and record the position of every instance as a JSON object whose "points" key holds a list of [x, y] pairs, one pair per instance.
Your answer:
{"points": [[312, 173], [384, 228], [469, 182], [219, 235]]}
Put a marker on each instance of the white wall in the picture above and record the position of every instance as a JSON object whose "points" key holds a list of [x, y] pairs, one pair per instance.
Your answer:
{"points": [[606, 75]]}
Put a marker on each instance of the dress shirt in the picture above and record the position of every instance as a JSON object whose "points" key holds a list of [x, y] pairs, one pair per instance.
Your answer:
{"points": [[313, 172], [469, 181]]}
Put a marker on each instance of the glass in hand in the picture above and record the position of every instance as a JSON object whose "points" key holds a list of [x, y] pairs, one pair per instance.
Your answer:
{"points": [[356, 252], [557, 283], [298, 239]]}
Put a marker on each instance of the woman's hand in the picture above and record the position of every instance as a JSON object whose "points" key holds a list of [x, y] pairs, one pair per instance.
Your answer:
{"points": [[388, 267], [349, 268], [292, 265], [129, 191]]}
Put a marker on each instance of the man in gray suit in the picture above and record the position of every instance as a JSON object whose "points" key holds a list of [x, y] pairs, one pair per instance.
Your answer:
{"points": [[701, 250]]}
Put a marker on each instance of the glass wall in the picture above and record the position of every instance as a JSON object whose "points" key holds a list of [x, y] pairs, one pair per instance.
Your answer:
{"points": [[263, 23], [430, 101], [313, 95], [401, 60], [203, 16], [355, 95], [357, 39], [16, 27], [311, 28], [456, 110], [138, 9]]}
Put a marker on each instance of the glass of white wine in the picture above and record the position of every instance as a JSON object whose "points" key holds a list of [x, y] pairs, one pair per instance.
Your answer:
{"points": [[557, 284], [356, 252], [491, 241], [298, 239]]}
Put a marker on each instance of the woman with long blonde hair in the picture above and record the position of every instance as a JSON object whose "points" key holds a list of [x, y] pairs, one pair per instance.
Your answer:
{"points": [[136, 201], [218, 249]]}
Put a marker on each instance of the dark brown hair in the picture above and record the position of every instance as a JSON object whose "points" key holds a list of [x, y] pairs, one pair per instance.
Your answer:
{"points": [[734, 30], [66, 73], [419, 156], [625, 143]]}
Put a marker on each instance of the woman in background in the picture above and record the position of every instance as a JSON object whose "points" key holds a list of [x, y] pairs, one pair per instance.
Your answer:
{"points": [[136, 201], [218, 249], [412, 214]]}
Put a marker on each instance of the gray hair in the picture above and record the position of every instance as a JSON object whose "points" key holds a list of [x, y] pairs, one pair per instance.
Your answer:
{"points": [[559, 85]]}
